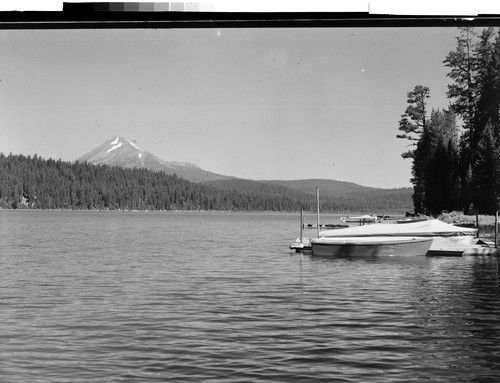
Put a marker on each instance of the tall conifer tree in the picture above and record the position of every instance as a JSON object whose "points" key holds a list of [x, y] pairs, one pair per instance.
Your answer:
{"points": [[414, 120]]}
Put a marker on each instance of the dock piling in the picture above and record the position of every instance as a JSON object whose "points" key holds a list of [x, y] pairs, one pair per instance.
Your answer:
{"points": [[317, 208]]}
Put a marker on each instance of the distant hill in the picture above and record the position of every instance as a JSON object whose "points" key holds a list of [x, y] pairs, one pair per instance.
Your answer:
{"points": [[326, 187], [261, 188], [120, 151], [335, 196]]}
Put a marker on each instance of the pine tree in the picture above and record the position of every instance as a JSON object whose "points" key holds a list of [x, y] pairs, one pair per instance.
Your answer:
{"points": [[414, 120], [463, 71]]}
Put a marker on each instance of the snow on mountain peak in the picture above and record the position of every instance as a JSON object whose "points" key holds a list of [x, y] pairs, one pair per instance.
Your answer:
{"points": [[119, 141], [114, 146], [120, 151], [134, 145]]}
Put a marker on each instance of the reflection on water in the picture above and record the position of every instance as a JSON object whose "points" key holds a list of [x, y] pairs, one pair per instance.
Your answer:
{"points": [[138, 296]]}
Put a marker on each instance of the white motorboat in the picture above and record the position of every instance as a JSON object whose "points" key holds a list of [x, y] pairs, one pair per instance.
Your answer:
{"points": [[361, 219], [370, 246]]}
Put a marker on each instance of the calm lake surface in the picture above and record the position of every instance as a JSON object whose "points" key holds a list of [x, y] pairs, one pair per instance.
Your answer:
{"points": [[219, 297]]}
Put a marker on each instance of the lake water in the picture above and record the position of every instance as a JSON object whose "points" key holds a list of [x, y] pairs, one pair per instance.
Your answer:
{"points": [[219, 297]]}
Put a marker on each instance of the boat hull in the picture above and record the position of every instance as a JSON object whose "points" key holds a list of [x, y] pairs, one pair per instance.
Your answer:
{"points": [[369, 247]]}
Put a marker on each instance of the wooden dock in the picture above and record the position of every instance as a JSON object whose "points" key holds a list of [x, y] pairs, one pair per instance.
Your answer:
{"points": [[459, 251]]}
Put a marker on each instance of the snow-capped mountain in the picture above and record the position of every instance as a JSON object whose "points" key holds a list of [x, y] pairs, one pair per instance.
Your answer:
{"points": [[120, 151]]}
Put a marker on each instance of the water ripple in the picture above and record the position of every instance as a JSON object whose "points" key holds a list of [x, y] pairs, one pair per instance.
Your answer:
{"points": [[180, 297]]}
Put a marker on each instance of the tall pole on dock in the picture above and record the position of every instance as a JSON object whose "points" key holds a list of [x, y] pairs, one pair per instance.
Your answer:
{"points": [[477, 223], [317, 208], [301, 225]]}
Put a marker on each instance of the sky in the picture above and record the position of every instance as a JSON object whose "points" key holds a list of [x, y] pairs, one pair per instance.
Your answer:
{"points": [[255, 103]]}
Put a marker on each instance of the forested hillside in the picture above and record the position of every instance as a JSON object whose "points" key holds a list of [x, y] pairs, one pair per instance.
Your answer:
{"points": [[335, 196], [33, 182], [50, 184], [326, 187]]}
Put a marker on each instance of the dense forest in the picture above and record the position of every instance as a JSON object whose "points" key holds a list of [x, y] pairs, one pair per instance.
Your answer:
{"points": [[455, 152], [33, 182]]}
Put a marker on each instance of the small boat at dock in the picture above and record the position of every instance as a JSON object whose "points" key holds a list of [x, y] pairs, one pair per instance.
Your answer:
{"points": [[360, 219], [443, 234], [370, 246]]}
